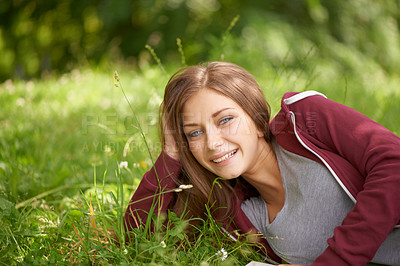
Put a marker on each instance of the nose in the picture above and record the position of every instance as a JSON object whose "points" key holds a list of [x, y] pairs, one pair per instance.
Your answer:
{"points": [[214, 138]]}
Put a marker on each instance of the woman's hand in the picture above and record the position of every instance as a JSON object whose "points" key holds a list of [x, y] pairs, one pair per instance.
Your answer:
{"points": [[170, 146]]}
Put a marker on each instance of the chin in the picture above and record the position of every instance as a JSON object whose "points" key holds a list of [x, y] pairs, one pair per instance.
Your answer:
{"points": [[225, 174], [229, 177]]}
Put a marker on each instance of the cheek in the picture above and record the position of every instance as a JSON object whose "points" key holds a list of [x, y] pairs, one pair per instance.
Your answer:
{"points": [[241, 128], [196, 147], [198, 155], [250, 129]]}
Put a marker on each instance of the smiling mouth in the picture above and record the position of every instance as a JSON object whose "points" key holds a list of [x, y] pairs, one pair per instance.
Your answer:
{"points": [[225, 157]]}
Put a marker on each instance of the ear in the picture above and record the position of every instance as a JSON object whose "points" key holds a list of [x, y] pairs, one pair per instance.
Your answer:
{"points": [[260, 134]]}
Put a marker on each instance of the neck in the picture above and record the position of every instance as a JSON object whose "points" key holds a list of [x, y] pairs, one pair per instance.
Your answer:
{"points": [[265, 176]]}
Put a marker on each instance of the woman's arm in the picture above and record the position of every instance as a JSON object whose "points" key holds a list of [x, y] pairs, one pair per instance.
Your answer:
{"points": [[375, 152], [152, 191]]}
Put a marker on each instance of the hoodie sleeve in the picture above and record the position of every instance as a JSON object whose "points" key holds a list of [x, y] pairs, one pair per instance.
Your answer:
{"points": [[374, 152], [152, 193]]}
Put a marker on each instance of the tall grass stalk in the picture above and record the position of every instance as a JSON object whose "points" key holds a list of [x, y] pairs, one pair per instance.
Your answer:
{"points": [[117, 83], [156, 58], [180, 50], [226, 35]]}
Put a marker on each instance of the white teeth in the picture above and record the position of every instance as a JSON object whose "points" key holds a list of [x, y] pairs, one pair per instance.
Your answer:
{"points": [[225, 157]]}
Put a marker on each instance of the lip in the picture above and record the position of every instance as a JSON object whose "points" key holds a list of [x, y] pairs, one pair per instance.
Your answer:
{"points": [[217, 156]]}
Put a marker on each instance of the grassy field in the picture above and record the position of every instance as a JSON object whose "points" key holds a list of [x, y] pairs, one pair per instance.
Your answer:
{"points": [[71, 152]]}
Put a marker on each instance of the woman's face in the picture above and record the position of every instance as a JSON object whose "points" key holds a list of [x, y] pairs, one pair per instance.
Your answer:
{"points": [[221, 136]]}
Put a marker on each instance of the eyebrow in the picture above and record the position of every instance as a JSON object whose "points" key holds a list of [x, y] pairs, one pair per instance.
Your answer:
{"points": [[219, 111], [213, 115]]}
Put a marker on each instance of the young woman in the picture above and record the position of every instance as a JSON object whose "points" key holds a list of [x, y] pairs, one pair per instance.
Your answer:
{"points": [[321, 182]]}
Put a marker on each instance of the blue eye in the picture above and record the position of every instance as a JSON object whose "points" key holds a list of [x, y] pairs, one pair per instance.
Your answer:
{"points": [[194, 134], [225, 120]]}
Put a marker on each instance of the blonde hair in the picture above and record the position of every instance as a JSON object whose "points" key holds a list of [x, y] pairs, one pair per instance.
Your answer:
{"points": [[234, 82]]}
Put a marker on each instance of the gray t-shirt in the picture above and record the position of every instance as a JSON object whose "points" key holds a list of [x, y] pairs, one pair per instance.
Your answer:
{"points": [[314, 205]]}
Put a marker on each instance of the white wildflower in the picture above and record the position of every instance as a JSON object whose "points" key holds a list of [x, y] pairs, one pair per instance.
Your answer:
{"points": [[185, 186], [123, 164], [182, 187], [222, 252], [43, 220], [162, 244]]}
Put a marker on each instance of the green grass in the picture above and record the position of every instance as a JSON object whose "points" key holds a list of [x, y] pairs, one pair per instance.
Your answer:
{"points": [[62, 194]]}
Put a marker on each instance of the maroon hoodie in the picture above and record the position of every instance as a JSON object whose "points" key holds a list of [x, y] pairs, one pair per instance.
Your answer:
{"points": [[362, 155]]}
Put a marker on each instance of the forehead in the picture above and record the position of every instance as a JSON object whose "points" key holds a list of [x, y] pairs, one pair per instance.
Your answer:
{"points": [[207, 102]]}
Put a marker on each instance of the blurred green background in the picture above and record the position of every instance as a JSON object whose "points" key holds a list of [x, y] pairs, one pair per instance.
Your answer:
{"points": [[39, 37]]}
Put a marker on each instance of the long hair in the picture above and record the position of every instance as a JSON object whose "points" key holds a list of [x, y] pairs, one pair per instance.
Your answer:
{"points": [[234, 82]]}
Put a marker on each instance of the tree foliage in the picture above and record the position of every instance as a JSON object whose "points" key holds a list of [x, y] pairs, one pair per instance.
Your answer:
{"points": [[38, 36]]}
